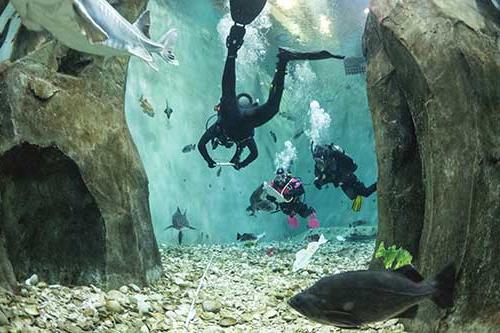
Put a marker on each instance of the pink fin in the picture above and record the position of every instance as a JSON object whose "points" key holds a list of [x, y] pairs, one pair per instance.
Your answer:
{"points": [[313, 222], [293, 222]]}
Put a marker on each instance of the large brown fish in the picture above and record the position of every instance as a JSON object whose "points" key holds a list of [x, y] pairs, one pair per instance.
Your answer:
{"points": [[353, 299]]}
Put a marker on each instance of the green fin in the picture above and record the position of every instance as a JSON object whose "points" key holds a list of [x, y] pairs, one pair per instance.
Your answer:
{"points": [[246, 11], [410, 313], [357, 203]]}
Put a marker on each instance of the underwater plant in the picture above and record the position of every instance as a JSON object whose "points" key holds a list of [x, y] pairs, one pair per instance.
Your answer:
{"points": [[393, 257]]}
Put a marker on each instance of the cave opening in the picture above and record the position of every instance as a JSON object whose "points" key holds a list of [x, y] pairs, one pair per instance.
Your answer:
{"points": [[50, 221]]}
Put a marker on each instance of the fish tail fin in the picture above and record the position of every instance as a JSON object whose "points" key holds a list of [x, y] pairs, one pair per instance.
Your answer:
{"points": [[445, 286], [180, 237], [238, 236], [168, 40]]}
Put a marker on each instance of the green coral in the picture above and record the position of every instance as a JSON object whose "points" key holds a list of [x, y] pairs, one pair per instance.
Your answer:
{"points": [[393, 257]]}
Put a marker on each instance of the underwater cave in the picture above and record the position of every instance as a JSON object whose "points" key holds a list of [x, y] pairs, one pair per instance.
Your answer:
{"points": [[51, 223]]}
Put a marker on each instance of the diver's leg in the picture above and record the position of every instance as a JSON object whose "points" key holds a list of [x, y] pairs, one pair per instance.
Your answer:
{"points": [[262, 114], [233, 43], [365, 191], [303, 210], [349, 190], [306, 211], [353, 187]]}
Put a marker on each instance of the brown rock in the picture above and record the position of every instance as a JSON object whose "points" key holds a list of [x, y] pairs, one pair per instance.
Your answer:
{"points": [[434, 93], [70, 174]]}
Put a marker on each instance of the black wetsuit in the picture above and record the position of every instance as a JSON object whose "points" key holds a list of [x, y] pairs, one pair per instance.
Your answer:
{"points": [[236, 123], [338, 169]]}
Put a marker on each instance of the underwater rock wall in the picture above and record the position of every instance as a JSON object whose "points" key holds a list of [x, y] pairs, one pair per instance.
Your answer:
{"points": [[434, 94], [73, 192]]}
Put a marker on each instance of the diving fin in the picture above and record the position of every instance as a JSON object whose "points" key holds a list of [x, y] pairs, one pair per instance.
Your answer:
{"points": [[287, 54], [245, 12], [357, 203]]}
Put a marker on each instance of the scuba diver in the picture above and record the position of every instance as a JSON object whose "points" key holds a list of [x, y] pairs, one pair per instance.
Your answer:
{"points": [[236, 121], [333, 165], [287, 191]]}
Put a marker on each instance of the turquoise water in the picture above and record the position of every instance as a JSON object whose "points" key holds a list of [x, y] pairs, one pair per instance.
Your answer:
{"points": [[216, 205]]}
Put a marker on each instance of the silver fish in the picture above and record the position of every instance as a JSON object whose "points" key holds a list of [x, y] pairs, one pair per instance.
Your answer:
{"points": [[95, 27], [179, 222]]}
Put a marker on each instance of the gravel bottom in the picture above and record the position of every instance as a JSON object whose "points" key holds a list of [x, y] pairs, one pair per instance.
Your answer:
{"points": [[245, 290]]}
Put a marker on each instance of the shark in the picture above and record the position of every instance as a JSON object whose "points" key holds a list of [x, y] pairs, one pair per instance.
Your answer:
{"points": [[179, 222], [95, 27]]}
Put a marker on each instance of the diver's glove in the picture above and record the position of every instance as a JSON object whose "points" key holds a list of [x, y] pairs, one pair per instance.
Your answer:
{"points": [[237, 166], [318, 183], [212, 164]]}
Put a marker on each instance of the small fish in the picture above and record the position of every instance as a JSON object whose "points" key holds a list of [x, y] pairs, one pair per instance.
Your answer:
{"points": [[273, 135], [219, 172], [259, 202], [249, 237], [357, 223], [179, 222], [147, 108], [354, 299], [188, 148], [168, 110], [298, 134], [313, 238]]}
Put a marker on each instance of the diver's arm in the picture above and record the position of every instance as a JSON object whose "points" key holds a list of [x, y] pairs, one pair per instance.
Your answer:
{"points": [[254, 153], [296, 189], [202, 145], [237, 154]]}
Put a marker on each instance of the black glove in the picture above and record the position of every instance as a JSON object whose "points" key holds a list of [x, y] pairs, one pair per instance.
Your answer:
{"points": [[237, 166], [212, 164], [318, 184]]}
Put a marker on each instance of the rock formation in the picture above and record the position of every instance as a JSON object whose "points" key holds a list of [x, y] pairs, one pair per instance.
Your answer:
{"points": [[73, 192], [434, 93]]}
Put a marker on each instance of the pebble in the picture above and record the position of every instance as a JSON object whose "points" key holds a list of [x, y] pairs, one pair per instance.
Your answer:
{"points": [[212, 306], [228, 322], [32, 281], [31, 310], [271, 314], [3, 319], [244, 291], [113, 306]]}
